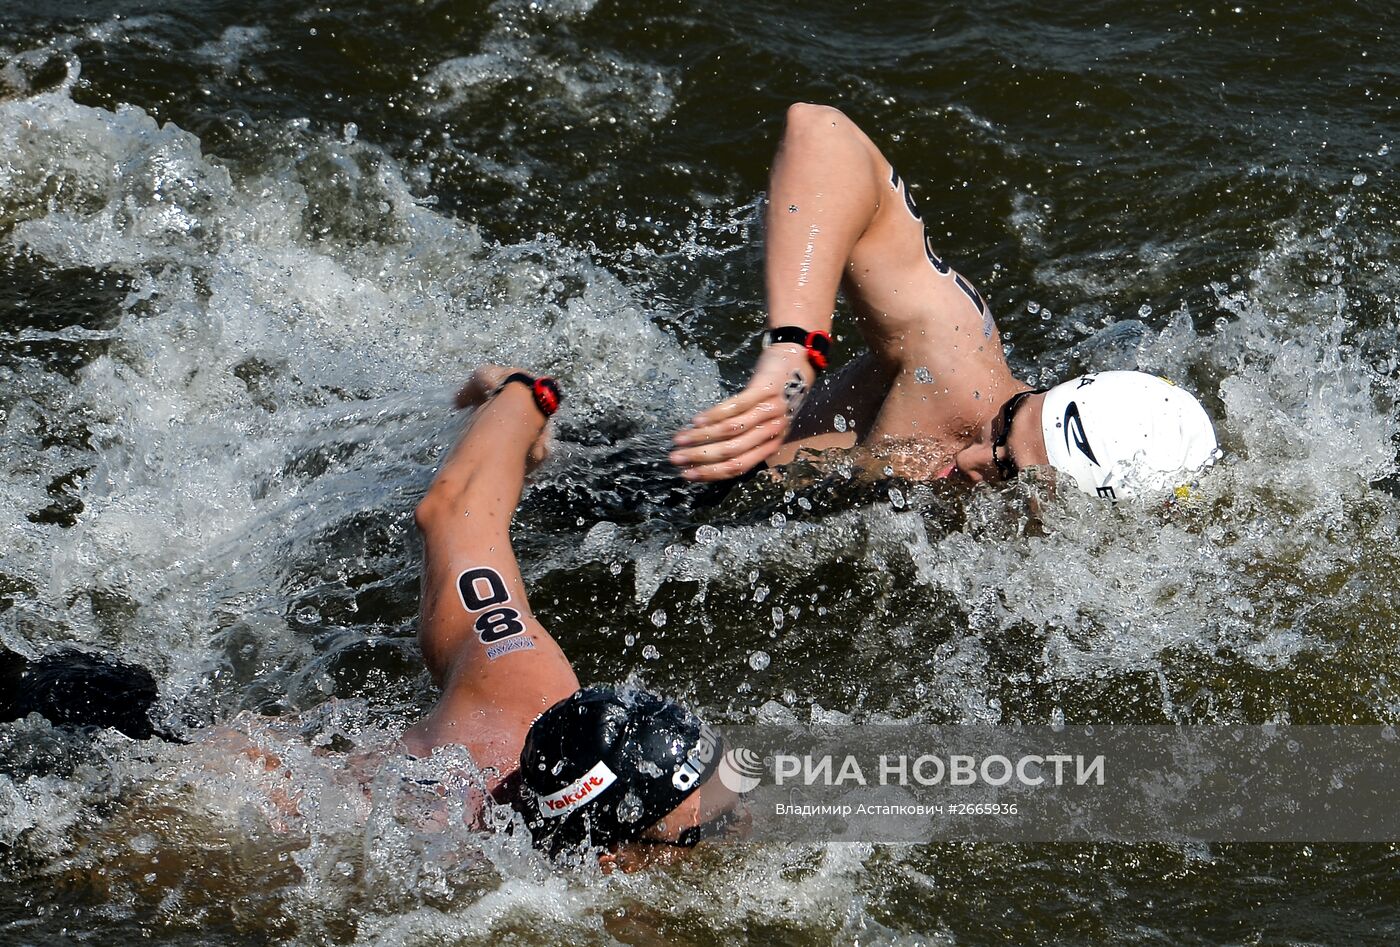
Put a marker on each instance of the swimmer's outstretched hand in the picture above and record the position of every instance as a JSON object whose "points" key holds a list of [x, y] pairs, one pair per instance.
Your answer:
{"points": [[740, 432], [484, 383]]}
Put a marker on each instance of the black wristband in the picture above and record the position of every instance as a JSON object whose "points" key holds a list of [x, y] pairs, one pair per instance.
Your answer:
{"points": [[816, 342], [545, 390]]}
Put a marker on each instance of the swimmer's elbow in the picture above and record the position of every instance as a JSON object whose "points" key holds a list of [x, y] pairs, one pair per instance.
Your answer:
{"points": [[449, 499], [807, 119], [823, 139], [429, 511], [445, 500]]}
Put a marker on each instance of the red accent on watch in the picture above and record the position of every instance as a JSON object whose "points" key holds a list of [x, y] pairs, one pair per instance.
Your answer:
{"points": [[816, 342], [816, 352], [544, 389], [547, 396]]}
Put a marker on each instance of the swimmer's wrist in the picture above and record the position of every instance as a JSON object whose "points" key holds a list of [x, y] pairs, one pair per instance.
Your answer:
{"points": [[543, 389], [787, 357], [814, 345]]}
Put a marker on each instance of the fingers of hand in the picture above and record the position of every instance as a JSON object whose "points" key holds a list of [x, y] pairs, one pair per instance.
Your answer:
{"points": [[480, 386], [744, 401], [728, 469], [763, 412], [718, 451], [472, 394]]}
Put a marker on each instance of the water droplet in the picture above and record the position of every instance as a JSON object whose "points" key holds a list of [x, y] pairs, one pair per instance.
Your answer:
{"points": [[615, 568], [777, 617], [777, 521], [760, 593], [759, 660], [897, 498], [308, 615], [629, 640], [1359, 179], [839, 422], [650, 652], [1032, 307], [1144, 310], [923, 376], [558, 768], [705, 535], [630, 808]]}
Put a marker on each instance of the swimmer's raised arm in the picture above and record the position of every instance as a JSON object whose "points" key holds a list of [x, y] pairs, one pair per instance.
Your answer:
{"points": [[836, 212], [822, 194], [498, 668]]}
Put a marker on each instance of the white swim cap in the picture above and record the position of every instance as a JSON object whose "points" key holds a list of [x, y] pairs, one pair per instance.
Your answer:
{"points": [[1122, 433]]}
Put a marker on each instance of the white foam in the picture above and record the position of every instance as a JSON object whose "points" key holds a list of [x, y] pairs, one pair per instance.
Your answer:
{"points": [[589, 85], [233, 45], [250, 346]]}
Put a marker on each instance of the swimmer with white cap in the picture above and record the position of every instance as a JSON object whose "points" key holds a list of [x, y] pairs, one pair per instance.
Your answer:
{"points": [[933, 396]]}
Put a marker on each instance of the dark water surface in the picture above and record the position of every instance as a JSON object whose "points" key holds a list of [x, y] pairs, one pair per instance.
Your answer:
{"points": [[248, 249]]}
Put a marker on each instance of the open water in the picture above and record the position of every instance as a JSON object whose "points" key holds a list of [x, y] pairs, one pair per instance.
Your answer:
{"points": [[248, 249]]}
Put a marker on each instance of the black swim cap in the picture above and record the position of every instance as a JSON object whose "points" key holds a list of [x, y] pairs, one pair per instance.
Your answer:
{"points": [[604, 767]]}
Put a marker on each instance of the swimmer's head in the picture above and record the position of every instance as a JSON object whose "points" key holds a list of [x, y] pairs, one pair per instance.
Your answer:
{"points": [[605, 767], [1116, 434]]}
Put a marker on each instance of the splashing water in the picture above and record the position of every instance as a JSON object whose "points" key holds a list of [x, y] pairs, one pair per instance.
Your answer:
{"points": [[227, 363]]}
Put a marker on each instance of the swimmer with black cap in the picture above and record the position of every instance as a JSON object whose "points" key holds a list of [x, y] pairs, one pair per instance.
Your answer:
{"points": [[608, 768], [933, 396]]}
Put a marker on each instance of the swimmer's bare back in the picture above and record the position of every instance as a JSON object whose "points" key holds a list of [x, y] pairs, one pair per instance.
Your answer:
{"points": [[840, 217]]}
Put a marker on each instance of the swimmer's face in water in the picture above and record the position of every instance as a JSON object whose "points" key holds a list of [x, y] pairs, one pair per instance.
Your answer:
{"points": [[1009, 441], [711, 812], [705, 813]]}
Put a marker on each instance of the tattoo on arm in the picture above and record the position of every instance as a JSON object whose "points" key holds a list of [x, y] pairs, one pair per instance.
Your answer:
{"points": [[794, 393], [988, 325]]}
